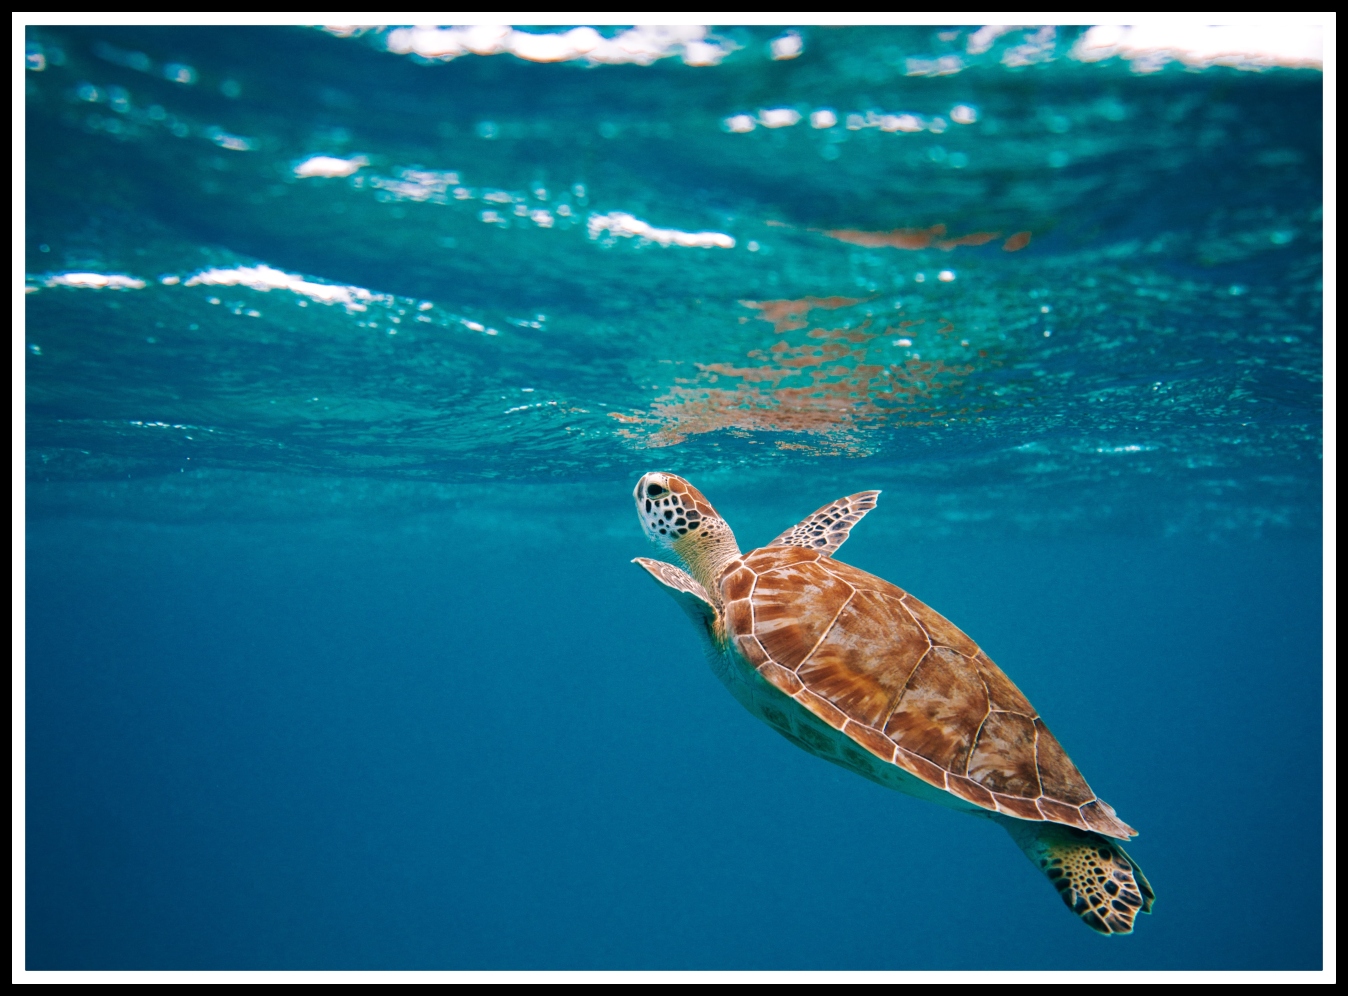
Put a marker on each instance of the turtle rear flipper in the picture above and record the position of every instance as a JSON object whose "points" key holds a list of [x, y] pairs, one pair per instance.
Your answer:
{"points": [[1096, 878]]}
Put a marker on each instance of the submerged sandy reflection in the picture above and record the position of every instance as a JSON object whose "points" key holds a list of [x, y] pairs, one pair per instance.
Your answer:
{"points": [[831, 386], [924, 238]]}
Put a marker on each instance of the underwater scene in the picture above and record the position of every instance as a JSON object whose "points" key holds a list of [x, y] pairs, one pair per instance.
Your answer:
{"points": [[346, 348]]}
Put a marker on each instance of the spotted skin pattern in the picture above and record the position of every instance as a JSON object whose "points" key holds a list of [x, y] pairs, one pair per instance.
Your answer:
{"points": [[828, 528], [677, 517], [675, 509], [1096, 878]]}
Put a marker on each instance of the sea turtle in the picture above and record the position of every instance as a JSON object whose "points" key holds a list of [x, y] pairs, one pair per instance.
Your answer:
{"points": [[857, 671]]}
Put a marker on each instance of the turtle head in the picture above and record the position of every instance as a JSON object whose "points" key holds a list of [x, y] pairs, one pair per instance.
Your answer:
{"points": [[676, 516]]}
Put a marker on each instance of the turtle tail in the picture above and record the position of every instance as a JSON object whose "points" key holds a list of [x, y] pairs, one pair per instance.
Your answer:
{"points": [[1093, 874]]}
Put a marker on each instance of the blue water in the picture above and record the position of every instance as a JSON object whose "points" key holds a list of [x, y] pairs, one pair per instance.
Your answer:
{"points": [[335, 658]]}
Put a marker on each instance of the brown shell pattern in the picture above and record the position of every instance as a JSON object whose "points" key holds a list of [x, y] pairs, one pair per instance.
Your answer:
{"points": [[904, 683]]}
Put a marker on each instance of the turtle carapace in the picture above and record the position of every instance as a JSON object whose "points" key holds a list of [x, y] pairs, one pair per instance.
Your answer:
{"points": [[857, 671]]}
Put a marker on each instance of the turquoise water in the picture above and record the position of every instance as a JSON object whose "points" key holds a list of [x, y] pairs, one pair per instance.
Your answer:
{"points": [[335, 656]]}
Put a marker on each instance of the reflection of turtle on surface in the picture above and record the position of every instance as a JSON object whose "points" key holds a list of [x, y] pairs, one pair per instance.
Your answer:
{"points": [[852, 669]]}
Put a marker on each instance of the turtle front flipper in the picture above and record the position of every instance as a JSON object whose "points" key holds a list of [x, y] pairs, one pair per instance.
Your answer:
{"points": [[690, 595], [828, 528], [1096, 878]]}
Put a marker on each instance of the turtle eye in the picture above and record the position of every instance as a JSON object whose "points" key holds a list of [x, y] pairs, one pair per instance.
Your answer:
{"points": [[654, 490]]}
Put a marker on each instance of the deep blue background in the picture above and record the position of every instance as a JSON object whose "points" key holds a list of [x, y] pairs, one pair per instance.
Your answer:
{"points": [[335, 656], [355, 746]]}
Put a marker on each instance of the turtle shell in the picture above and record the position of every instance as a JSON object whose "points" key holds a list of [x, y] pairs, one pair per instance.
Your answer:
{"points": [[904, 683]]}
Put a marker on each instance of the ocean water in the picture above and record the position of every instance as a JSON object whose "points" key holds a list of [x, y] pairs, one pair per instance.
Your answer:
{"points": [[343, 361]]}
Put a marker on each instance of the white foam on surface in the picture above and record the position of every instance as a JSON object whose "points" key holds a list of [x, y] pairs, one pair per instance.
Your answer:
{"points": [[329, 166], [424, 185], [621, 224], [1035, 47], [946, 65], [1126, 448], [981, 40], [895, 122], [266, 278], [95, 281], [778, 117], [640, 45], [787, 46], [900, 122], [226, 140], [1149, 47]]}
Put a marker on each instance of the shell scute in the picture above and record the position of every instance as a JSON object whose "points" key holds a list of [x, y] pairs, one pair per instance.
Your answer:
{"points": [[942, 706], [942, 631], [864, 661], [1016, 806], [1002, 693], [1060, 777], [784, 680], [794, 606], [765, 559], [751, 649], [737, 584], [873, 740], [861, 580], [822, 708], [1061, 813], [1003, 760], [739, 617], [970, 791], [1099, 816], [916, 764]]}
